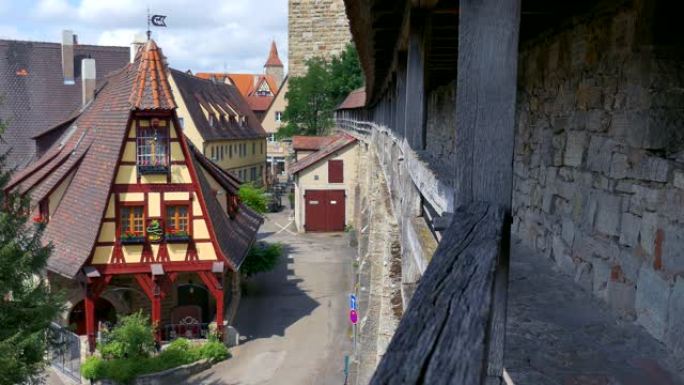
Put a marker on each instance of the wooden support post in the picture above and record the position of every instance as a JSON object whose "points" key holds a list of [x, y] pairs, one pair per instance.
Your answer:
{"points": [[219, 312], [414, 129], [90, 320], [156, 312], [485, 110], [216, 289]]}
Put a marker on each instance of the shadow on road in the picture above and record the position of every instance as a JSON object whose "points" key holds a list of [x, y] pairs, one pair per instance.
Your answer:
{"points": [[272, 301]]}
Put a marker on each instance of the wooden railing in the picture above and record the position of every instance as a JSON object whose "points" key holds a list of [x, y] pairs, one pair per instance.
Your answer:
{"points": [[453, 329]]}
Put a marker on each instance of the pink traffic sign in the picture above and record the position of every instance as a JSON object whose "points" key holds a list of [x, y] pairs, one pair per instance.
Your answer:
{"points": [[353, 317]]}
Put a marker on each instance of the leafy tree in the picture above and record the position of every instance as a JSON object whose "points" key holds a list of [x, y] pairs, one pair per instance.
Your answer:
{"points": [[254, 197], [26, 303], [262, 257], [131, 337], [312, 98]]}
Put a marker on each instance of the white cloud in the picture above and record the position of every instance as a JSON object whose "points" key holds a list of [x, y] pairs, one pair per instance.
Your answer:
{"points": [[211, 35]]}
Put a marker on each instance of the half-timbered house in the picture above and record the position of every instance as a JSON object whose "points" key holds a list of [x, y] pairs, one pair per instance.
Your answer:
{"points": [[138, 217]]}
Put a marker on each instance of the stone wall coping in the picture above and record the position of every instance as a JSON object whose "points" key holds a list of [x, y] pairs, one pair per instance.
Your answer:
{"points": [[172, 375]]}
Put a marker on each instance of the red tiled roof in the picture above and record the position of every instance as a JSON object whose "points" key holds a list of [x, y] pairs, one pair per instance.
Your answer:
{"points": [[247, 84], [273, 59], [34, 96], [355, 99], [338, 142], [310, 143], [88, 150], [151, 90], [201, 93]]}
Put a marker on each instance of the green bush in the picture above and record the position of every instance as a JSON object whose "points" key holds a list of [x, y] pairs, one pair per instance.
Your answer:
{"points": [[92, 368], [214, 351], [262, 257], [132, 337], [179, 352], [254, 197]]}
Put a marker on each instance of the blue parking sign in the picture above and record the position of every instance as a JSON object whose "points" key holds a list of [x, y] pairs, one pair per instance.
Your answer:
{"points": [[352, 302]]}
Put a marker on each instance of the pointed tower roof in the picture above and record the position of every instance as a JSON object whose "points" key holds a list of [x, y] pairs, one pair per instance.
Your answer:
{"points": [[151, 90], [273, 59]]}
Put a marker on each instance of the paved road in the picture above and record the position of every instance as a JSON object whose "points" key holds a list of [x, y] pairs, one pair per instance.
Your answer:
{"points": [[293, 319]]}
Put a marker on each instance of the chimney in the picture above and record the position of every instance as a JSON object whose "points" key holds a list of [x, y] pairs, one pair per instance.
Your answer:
{"points": [[88, 81], [138, 42], [68, 56]]}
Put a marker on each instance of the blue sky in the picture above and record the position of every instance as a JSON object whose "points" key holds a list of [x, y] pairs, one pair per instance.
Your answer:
{"points": [[202, 35]]}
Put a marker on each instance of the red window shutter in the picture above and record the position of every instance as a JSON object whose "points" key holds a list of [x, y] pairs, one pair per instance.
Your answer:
{"points": [[335, 171]]}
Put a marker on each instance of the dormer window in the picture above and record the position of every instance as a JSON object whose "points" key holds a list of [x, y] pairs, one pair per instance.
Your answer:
{"points": [[211, 120], [153, 146]]}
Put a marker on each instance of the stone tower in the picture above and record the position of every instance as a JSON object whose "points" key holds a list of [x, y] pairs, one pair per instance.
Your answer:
{"points": [[315, 28], [274, 66]]}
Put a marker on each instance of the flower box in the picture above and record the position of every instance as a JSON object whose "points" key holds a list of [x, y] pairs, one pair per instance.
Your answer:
{"points": [[128, 239], [153, 169], [177, 237]]}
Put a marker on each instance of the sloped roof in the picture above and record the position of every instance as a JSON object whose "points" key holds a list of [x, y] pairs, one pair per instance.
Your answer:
{"points": [[355, 99], [273, 59], [247, 84], [339, 142], [89, 149], [30, 77], [151, 90], [311, 143], [235, 236], [200, 93]]}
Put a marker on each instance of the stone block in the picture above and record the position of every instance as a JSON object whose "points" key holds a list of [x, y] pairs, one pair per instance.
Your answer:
{"points": [[630, 263], [629, 229], [650, 168], [608, 214], [647, 232], [679, 179], [652, 302], [600, 276], [574, 149], [619, 166], [644, 198], [621, 296], [675, 319], [672, 249], [568, 231], [599, 154], [562, 256]]}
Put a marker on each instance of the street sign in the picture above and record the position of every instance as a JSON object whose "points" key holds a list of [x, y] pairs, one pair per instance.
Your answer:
{"points": [[353, 317], [352, 302]]}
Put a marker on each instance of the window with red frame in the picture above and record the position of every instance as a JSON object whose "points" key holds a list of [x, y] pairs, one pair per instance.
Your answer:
{"points": [[132, 221], [177, 219]]}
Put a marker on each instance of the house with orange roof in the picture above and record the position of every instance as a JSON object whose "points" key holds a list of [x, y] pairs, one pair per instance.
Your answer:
{"points": [[258, 89], [138, 217]]}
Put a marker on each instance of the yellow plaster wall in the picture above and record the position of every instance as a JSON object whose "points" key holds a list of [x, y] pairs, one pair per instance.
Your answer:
{"points": [[107, 232], [303, 154], [177, 251], [199, 229], [154, 204], [153, 179], [126, 175], [189, 128], [132, 253], [205, 251], [111, 207], [251, 158], [196, 206], [102, 254], [129, 152], [56, 196], [269, 122], [180, 174], [176, 196], [132, 197], [176, 152]]}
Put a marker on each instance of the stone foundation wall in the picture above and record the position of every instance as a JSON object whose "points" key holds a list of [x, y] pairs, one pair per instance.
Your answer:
{"points": [[316, 28], [599, 171]]}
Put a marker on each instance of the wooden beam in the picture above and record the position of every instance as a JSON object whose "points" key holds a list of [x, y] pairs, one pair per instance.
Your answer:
{"points": [[485, 101], [414, 130], [443, 335]]}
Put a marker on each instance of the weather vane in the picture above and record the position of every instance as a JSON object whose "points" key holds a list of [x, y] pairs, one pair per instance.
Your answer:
{"points": [[154, 20]]}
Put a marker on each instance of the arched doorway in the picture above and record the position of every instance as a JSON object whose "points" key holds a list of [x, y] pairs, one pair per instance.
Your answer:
{"points": [[194, 295], [104, 312]]}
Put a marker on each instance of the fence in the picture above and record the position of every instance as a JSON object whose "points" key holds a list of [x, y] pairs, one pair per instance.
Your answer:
{"points": [[64, 352]]}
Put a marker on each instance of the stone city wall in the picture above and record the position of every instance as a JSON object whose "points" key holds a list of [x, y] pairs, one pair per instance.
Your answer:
{"points": [[599, 165], [316, 28]]}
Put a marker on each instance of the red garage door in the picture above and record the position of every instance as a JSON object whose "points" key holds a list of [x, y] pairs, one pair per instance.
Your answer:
{"points": [[325, 210]]}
